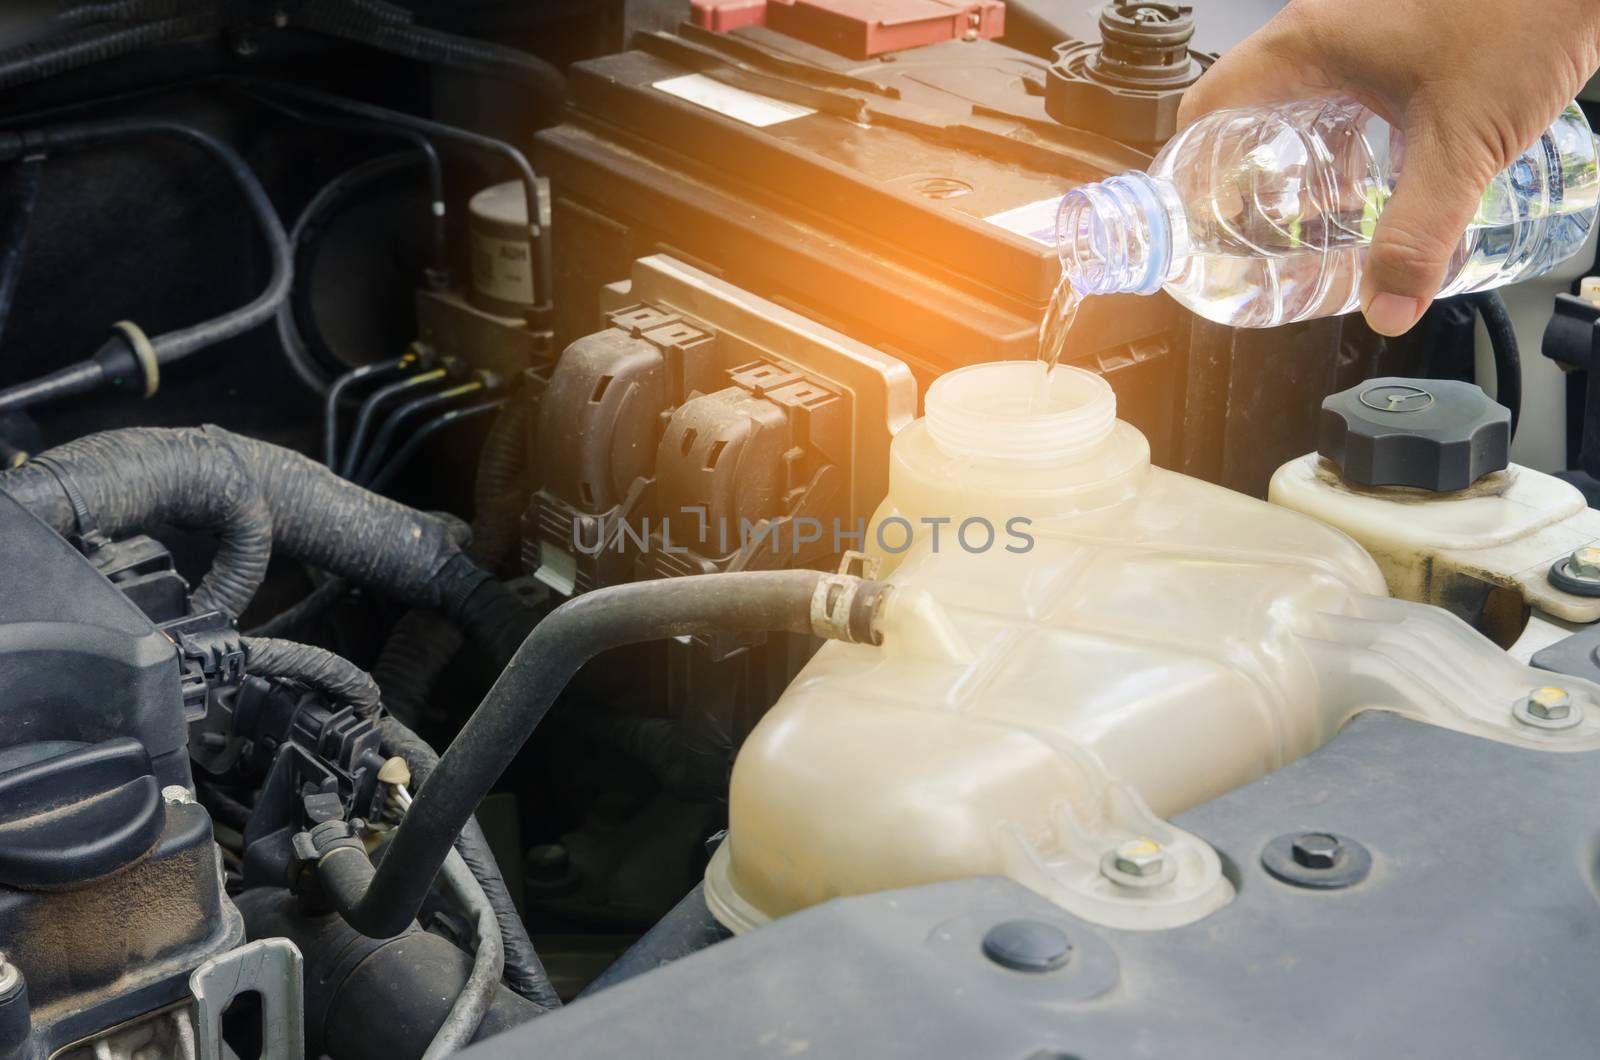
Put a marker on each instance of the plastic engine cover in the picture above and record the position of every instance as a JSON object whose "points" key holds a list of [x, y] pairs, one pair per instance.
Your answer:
{"points": [[110, 887]]}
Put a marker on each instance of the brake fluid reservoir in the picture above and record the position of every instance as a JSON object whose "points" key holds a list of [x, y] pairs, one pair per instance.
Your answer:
{"points": [[1129, 642]]}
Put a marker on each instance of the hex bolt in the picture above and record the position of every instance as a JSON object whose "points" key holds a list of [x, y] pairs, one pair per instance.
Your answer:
{"points": [[10, 978], [1550, 703], [1585, 563], [1140, 857], [177, 794], [1316, 850]]}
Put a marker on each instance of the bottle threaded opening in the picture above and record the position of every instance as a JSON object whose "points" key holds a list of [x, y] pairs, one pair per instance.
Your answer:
{"points": [[1019, 412], [1114, 236]]}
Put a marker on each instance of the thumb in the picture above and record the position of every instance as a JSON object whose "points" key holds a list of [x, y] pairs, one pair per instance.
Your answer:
{"points": [[1442, 179]]}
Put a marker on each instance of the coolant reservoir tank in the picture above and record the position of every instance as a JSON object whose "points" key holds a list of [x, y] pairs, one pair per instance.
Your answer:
{"points": [[1077, 647]]}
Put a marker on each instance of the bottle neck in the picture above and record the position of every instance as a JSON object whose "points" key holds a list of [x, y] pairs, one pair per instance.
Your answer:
{"points": [[1115, 236]]}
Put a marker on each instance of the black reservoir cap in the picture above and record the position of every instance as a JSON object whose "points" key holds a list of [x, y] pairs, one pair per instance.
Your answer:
{"points": [[73, 812], [1434, 434]]}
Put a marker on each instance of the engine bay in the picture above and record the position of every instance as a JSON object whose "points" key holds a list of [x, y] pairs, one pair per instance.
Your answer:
{"points": [[538, 529]]}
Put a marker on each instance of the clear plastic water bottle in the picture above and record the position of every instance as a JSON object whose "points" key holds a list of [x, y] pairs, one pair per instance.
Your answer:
{"points": [[1261, 216]]}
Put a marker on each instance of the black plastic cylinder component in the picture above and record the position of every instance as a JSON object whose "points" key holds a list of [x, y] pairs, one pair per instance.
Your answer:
{"points": [[1129, 85], [373, 999]]}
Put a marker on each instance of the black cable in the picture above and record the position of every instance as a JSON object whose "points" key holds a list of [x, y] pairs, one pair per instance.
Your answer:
{"points": [[18, 194], [540, 233], [303, 344], [391, 425], [429, 428], [121, 10], [315, 668], [128, 355], [92, 44], [358, 23], [1507, 357], [439, 251], [364, 373], [377, 400], [384, 902]]}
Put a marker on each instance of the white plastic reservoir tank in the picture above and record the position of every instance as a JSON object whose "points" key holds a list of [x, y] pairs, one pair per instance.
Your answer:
{"points": [[1129, 643]]}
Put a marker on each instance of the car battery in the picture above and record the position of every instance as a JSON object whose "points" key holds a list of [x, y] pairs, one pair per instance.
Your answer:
{"points": [[906, 200]]}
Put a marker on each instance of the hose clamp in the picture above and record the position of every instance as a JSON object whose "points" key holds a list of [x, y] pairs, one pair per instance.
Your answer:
{"points": [[846, 608], [86, 536]]}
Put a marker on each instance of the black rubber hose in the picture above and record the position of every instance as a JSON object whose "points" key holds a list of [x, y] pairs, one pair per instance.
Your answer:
{"points": [[223, 806], [414, 655], [194, 476], [392, 423], [92, 44], [174, 345], [421, 645], [135, 480], [369, 999], [382, 11], [350, 22], [316, 668], [17, 198], [1507, 356], [501, 487], [420, 436], [437, 219], [540, 233], [524, 971], [504, 456], [307, 609], [365, 373], [413, 557], [122, 10], [377, 400], [744, 602]]}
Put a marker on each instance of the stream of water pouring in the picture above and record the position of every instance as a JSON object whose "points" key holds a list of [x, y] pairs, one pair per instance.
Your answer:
{"points": [[1057, 322], [1053, 331]]}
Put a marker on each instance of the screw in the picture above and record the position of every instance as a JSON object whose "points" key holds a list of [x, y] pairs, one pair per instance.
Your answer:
{"points": [[1549, 703], [177, 793], [1140, 857], [1585, 563], [1316, 850], [10, 979]]}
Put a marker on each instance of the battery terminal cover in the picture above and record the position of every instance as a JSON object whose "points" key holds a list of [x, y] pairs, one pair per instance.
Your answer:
{"points": [[859, 29]]}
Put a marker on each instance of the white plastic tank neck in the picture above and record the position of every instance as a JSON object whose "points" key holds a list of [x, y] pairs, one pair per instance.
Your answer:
{"points": [[1013, 412]]}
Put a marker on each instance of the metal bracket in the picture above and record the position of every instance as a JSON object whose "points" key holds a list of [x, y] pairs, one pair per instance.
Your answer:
{"points": [[274, 970]]}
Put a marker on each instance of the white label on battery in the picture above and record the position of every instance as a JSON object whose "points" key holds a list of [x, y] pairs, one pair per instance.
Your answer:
{"points": [[748, 107], [1035, 221], [501, 269]]}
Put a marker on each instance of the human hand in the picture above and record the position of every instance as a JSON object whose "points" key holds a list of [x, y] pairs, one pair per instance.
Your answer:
{"points": [[1472, 83]]}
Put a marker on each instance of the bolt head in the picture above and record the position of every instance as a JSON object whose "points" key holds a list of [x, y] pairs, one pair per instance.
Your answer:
{"points": [[1585, 563], [1550, 703], [1316, 850], [178, 794], [1140, 857]]}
